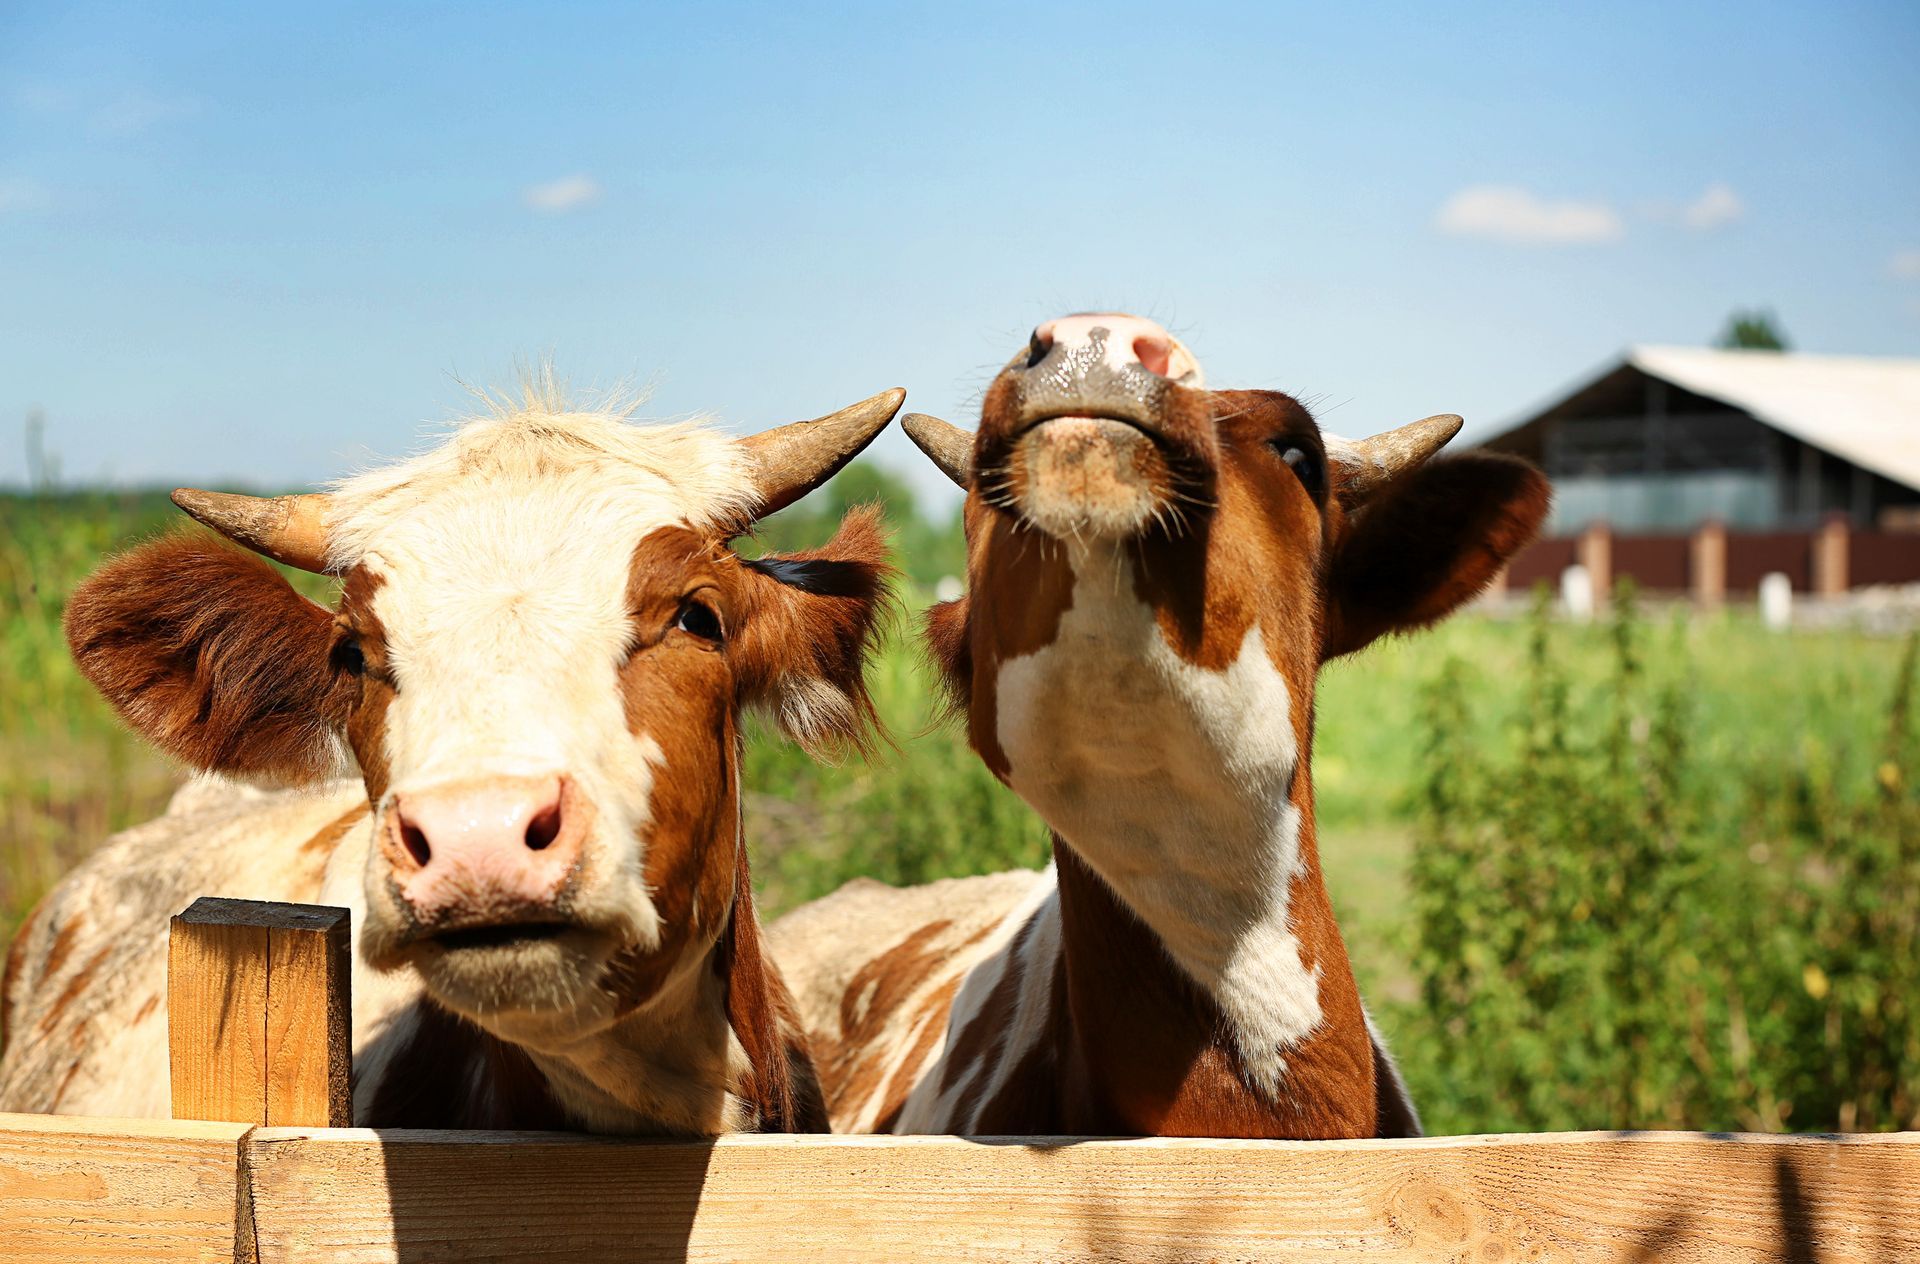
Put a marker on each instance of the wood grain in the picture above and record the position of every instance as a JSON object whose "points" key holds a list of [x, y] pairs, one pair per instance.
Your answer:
{"points": [[309, 1024], [76, 1189], [217, 1018], [258, 1013], [363, 1196]]}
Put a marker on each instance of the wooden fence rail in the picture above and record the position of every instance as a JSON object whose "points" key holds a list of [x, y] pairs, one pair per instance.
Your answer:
{"points": [[114, 1190], [96, 1189]]}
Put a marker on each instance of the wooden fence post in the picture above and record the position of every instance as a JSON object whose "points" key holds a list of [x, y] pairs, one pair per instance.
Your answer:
{"points": [[1830, 556], [259, 1012], [1707, 568], [1595, 552]]}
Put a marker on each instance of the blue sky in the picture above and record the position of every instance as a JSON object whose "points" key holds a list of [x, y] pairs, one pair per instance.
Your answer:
{"points": [[255, 245]]}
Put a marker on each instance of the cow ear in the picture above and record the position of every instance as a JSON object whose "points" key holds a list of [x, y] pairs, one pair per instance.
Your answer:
{"points": [[949, 650], [210, 654], [811, 622], [1427, 543]]}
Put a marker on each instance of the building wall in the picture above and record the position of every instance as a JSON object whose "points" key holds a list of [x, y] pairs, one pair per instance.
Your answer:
{"points": [[1646, 456], [1677, 563], [1665, 502]]}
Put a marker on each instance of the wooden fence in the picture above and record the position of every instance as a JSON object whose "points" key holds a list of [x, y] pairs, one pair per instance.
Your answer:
{"points": [[74, 1188]]}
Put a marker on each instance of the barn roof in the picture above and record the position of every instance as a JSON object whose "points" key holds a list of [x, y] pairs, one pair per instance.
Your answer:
{"points": [[1862, 409]]}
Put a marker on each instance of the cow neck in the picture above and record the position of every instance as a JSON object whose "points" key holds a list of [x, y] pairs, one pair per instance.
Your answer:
{"points": [[669, 1066], [714, 1050], [1143, 1047], [1207, 989]]}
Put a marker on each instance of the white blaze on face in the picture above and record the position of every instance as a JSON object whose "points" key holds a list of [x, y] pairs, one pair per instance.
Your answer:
{"points": [[505, 556], [1172, 782]]}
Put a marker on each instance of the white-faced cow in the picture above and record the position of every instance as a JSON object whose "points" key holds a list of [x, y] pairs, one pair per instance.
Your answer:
{"points": [[1156, 575], [541, 647]]}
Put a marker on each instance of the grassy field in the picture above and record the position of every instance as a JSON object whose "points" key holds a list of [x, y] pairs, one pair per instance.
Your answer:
{"points": [[69, 775]]}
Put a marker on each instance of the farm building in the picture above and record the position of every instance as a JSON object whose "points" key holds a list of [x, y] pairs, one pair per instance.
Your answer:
{"points": [[1693, 468]]}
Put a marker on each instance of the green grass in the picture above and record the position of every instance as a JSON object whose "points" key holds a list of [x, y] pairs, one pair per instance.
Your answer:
{"points": [[69, 775], [1758, 701]]}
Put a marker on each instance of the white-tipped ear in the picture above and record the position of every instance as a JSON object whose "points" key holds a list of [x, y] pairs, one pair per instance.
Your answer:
{"points": [[810, 623]]}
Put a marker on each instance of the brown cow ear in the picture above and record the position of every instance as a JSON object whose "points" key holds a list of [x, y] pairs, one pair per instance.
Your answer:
{"points": [[811, 622], [210, 654], [1429, 543], [949, 650]]}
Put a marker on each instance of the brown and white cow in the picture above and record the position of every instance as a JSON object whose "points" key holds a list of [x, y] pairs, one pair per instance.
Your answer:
{"points": [[535, 668], [1156, 575]]}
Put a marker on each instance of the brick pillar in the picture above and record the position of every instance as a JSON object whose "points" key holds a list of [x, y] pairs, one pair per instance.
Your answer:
{"points": [[1830, 549], [1708, 572], [1595, 552]]}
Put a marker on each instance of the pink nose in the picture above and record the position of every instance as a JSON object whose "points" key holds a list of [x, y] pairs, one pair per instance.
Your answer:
{"points": [[1126, 340], [478, 851]]}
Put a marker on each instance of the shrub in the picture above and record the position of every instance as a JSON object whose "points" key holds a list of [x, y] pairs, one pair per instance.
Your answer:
{"points": [[1603, 937]]}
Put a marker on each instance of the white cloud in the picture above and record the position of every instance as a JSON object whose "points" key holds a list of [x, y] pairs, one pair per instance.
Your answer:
{"points": [[556, 197], [1717, 206], [1905, 264], [1510, 213], [20, 194]]}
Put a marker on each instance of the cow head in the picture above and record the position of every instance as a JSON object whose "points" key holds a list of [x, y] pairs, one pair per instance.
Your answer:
{"points": [[1227, 515], [536, 664]]}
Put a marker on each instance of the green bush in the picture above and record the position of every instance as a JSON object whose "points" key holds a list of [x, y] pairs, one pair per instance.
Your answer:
{"points": [[924, 808], [1605, 934]]}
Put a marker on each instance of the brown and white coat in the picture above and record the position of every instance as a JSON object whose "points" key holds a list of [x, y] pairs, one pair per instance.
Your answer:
{"points": [[1156, 575], [535, 670]]}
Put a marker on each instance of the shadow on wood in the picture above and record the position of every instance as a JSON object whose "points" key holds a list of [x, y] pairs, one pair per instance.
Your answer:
{"points": [[402, 1195], [364, 1196]]}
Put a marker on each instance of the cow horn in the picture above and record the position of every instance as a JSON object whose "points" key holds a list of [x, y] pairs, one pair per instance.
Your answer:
{"points": [[289, 529], [949, 447], [1367, 465], [792, 460]]}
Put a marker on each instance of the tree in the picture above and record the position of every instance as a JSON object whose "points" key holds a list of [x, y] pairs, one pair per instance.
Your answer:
{"points": [[1752, 331]]}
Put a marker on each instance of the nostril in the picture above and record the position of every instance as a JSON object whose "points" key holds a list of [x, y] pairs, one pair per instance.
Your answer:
{"points": [[415, 843], [1039, 344], [544, 828], [1154, 353]]}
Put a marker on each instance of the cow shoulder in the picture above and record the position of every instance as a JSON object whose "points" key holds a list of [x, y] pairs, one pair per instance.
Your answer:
{"points": [[85, 996], [874, 970], [821, 946]]}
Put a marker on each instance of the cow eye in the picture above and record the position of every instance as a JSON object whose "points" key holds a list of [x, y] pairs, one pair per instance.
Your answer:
{"points": [[1305, 465], [348, 658], [699, 619]]}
